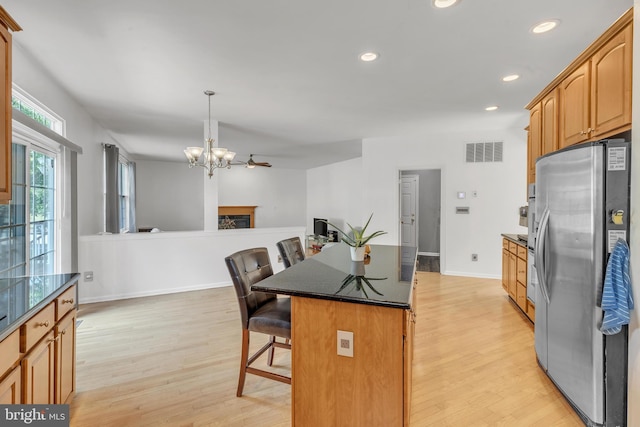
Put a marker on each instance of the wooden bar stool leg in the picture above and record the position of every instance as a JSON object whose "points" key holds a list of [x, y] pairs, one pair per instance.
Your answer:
{"points": [[243, 361], [271, 350]]}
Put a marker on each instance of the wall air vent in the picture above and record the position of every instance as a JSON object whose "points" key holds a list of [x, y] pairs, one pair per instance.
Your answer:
{"points": [[480, 152]]}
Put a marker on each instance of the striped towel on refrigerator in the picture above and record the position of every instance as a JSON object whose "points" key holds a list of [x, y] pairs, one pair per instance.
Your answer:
{"points": [[617, 297]]}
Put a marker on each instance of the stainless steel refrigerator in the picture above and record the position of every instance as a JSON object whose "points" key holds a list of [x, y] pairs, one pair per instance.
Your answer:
{"points": [[581, 209]]}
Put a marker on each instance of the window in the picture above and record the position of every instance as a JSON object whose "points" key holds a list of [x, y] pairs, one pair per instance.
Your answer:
{"points": [[25, 103], [34, 192], [13, 220], [42, 197], [123, 194], [28, 224], [119, 191]]}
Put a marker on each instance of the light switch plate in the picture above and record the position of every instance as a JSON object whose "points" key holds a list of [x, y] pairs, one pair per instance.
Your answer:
{"points": [[345, 343]]}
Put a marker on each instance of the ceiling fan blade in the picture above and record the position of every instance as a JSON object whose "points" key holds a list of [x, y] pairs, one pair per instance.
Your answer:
{"points": [[253, 163]]}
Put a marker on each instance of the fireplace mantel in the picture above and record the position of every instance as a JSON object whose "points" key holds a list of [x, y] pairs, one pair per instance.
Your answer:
{"points": [[233, 211]]}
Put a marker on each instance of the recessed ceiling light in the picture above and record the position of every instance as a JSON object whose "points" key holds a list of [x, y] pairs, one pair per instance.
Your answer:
{"points": [[492, 108], [545, 26], [369, 56], [441, 4], [510, 78]]}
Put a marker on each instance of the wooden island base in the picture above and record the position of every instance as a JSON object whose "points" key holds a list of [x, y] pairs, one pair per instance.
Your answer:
{"points": [[367, 389]]}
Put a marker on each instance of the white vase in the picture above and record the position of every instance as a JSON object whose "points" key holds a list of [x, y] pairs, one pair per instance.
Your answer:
{"points": [[357, 254]]}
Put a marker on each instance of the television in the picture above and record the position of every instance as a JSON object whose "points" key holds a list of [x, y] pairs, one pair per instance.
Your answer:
{"points": [[319, 227]]}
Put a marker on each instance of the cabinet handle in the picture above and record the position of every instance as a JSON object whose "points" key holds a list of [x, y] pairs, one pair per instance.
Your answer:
{"points": [[54, 339], [45, 324], [67, 301]]}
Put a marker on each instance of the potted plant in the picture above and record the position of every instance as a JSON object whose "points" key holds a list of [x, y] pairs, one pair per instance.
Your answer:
{"points": [[357, 239]]}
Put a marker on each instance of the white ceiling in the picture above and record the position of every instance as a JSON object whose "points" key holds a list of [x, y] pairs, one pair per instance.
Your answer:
{"points": [[289, 85]]}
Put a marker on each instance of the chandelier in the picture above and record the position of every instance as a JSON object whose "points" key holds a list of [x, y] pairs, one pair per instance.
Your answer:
{"points": [[214, 157]]}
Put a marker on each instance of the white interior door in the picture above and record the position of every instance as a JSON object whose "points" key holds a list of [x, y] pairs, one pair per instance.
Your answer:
{"points": [[408, 211]]}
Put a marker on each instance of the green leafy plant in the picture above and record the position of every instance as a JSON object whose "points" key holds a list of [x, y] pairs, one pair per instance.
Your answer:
{"points": [[358, 239]]}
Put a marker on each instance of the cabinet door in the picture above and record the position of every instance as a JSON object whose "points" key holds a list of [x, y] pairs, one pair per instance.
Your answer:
{"points": [[611, 86], [574, 116], [5, 114], [534, 141], [408, 364], [505, 270], [38, 373], [512, 276], [10, 388], [521, 271], [521, 297], [550, 123], [65, 358]]}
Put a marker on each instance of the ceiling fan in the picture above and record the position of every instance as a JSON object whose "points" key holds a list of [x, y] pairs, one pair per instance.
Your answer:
{"points": [[252, 164]]}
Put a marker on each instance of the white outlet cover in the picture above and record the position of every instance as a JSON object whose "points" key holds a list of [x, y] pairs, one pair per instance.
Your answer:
{"points": [[345, 343]]}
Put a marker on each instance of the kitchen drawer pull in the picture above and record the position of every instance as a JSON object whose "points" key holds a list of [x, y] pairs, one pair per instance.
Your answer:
{"points": [[45, 324], [67, 301]]}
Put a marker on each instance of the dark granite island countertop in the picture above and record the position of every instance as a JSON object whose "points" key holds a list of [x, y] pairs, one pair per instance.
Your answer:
{"points": [[385, 279], [22, 297]]}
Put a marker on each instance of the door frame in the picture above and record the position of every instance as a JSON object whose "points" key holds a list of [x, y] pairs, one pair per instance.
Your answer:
{"points": [[443, 207], [417, 206]]}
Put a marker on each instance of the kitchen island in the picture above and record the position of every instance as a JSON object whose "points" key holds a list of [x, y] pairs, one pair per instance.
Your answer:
{"points": [[37, 339], [352, 326]]}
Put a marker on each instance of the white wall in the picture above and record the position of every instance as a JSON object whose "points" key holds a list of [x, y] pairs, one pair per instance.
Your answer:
{"points": [[142, 264], [169, 196], [335, 192], [82, 130], [279, 194], [350, 191]]}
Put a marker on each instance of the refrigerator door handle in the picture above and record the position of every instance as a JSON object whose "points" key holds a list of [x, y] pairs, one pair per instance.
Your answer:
{"points": [[540, 251]]}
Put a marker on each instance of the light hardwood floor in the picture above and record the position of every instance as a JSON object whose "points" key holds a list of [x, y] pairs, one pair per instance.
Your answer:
{"points": [[172, 360]]}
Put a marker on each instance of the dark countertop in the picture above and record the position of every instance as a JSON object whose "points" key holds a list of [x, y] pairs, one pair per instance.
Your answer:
{"points": [[22, 297], [387, 279], [514, 239]]}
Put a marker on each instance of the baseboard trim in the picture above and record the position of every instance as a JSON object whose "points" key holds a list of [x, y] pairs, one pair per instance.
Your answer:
{"points": [[429, 253], [115, 297], [467, 274]]}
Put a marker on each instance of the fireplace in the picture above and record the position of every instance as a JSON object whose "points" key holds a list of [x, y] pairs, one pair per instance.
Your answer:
{"points": [[236, 217]]}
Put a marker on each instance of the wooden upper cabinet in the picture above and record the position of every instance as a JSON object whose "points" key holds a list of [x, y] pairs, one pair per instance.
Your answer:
{"points": [[549, 142], [590, 99], [6, 23], [611, 68], [574, 115], [534, 141]]}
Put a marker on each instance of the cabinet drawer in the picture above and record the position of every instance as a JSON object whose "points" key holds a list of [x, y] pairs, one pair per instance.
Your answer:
{"points": [[37, 327], [9, 351], [522, 252], [65, 302], [513, 247], [505, 244]]}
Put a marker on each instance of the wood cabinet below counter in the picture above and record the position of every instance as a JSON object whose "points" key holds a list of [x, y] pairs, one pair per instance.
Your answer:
{"points": [[514, 275], [37, 346]]}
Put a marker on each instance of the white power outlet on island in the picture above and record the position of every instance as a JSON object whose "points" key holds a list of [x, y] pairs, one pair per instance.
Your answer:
{"points": [[345, 343]]}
